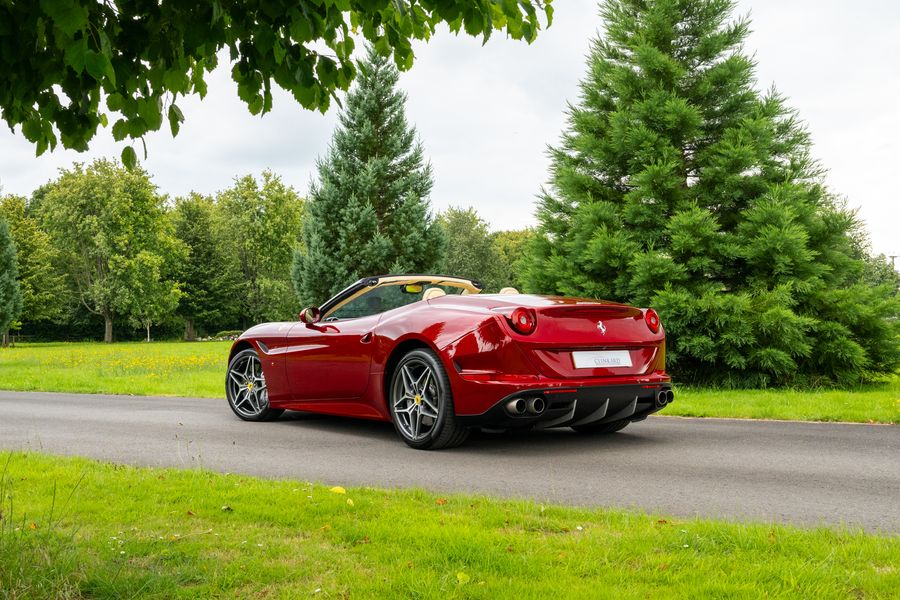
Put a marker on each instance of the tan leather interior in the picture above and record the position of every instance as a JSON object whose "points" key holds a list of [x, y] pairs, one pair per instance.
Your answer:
{"points": [[433, 293], [509, 290]]}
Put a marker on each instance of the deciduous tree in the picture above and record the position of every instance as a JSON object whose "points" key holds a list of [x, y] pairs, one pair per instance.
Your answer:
{"points": [[106, 222], [63, 60], [677, 184], [511, 245], [470, 250], [44, 292], [208, 278], [261, 227], [10, 294]]}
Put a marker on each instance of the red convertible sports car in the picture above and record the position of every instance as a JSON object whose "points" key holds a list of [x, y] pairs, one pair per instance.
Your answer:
{"points": [[437, 358]]}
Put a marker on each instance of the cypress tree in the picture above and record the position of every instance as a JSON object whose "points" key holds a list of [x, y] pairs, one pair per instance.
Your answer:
{"points": [[368, 213], [678, 185], [10, 294]]}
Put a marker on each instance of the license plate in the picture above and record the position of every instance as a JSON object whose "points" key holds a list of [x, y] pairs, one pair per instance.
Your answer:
{"points": [[602, 359]]}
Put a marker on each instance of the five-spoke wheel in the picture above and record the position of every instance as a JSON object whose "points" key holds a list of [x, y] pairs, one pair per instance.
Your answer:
{"points": [[246, 390], [421, 403]]}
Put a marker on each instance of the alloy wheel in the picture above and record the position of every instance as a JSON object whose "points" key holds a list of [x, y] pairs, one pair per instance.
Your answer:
{"points": [[416, 398], [247, 385]]}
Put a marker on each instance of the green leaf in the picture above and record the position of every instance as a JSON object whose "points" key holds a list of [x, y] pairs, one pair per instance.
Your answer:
{"points": [[176, 118], [279, 51], [114, 102], [98, 66], [301, 30], [120, 130], [68, 15], [75, 54], [129, 157], [176, 80]]}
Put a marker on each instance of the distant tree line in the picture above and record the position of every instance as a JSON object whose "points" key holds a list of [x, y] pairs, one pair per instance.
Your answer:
{"points": [[100, 252]]}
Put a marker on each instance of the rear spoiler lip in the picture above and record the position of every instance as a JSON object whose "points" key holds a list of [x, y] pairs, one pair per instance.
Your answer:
{"points": [[589, 310]]}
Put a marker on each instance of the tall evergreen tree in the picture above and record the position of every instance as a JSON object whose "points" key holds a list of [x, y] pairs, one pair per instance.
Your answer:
{"points": [[369, 211], [678, 185], [10, 294]]}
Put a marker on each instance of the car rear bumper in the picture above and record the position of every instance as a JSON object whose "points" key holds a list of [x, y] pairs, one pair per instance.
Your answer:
{"points": [[574, 405]]}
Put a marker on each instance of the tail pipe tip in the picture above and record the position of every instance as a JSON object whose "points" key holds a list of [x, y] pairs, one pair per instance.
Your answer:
{"points": [[517, 406], [536, 405], [664, 397]]}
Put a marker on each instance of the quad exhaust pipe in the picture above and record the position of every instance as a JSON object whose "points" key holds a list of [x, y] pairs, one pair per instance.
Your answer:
{"points": [[517, 406], [664, 397], [536, 405], [532, 406]]}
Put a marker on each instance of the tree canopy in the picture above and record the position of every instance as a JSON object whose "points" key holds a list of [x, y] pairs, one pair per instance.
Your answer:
{"points": [[71, 66], [678, 185], [470, 249], [208, 276], [10, 292], [110, 228], [44, 292], [261, 224]]}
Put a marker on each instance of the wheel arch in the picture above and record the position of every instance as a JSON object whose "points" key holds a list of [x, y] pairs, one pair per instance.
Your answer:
{"points": [[398, 352], [239, 346]]}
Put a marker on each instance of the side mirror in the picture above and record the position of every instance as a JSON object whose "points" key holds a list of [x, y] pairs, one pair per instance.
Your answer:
{"points": [[310, 315]]}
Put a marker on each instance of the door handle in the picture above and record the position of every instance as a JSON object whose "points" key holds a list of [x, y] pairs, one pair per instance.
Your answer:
{"points": [[366, 338]]}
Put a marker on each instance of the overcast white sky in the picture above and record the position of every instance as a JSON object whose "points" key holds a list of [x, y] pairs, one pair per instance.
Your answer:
{"points": [[486, 114]]}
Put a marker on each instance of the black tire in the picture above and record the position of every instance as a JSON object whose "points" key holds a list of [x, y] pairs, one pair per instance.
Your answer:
{"points": [[248, 404], [444, 429], [601, 428]]}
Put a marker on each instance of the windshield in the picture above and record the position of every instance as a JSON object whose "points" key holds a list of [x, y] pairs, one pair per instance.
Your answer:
{"points": [[388, 296]]}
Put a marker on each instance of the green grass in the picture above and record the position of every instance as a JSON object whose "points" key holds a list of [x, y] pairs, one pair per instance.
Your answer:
{"points": [[155, 369], [197, 369], [78, 528], [874, 403]]}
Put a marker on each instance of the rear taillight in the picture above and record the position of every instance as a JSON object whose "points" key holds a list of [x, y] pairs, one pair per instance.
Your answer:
{"points": [[652, 320], [523, 320]]}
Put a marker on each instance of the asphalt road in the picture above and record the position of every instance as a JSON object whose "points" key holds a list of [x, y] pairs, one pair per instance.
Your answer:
{"points": [[801, 473]]}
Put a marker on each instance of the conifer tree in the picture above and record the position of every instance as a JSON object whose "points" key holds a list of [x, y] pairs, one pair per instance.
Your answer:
{"points": [[368, 213], [678, 185], [10, 294]]}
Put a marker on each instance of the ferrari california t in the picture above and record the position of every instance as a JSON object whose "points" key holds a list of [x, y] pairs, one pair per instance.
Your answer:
{"points": [[437, 358]]}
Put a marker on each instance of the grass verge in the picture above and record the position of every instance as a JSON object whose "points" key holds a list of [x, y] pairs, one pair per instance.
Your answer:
{"points": [[78, 528], [874, 403], [155, 369], [197, 370]]}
